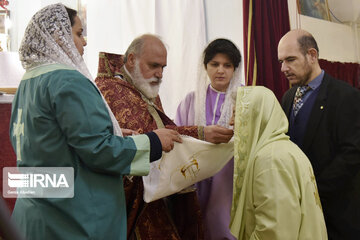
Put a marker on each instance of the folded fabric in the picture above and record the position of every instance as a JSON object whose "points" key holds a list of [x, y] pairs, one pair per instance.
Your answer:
{"points": [[189, 162]]}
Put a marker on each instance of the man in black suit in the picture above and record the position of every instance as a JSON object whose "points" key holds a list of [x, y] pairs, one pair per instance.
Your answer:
{"points": [[325, 124]]}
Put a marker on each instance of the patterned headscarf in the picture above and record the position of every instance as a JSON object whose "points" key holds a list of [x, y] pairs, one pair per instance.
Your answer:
{"points": [[48, 40]]}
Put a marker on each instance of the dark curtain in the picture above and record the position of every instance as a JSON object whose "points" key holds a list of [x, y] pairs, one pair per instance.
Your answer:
{"points": [[7, 154], [348, 72], [265, 22]]}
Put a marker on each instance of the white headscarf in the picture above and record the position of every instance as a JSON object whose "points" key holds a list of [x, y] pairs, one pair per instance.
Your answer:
{"points": [[202, 84], [48, 39]]}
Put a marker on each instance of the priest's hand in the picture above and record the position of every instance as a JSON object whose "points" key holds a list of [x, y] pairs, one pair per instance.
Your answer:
{"points": [[128, 132], [167, 138], [217, 134]]}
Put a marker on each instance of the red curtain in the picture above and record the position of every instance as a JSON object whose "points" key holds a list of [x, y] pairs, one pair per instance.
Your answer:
{"points": [[265, 22], [348, 72], [7, 155]]}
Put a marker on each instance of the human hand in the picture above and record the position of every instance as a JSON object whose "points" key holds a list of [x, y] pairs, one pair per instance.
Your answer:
{"points": [[217, 134], [128, 132], [167, 138]]}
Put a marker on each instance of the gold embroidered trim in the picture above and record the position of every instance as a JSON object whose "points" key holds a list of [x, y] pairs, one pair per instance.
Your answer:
{"points": [[156, 116], [201, 133]]}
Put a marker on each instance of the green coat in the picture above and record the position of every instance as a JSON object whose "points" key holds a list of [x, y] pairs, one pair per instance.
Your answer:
{"points": [[66, 124]]}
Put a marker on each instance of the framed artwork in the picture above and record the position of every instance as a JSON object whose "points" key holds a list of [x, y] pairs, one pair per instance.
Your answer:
{"points": [[314, 8], [3, 15]]}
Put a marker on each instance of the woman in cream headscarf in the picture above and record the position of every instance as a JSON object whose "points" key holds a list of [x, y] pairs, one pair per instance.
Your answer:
{"points": [[275, 194]]}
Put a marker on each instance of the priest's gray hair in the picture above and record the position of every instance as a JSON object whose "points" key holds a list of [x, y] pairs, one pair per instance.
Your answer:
{"points": [[137, 44]]}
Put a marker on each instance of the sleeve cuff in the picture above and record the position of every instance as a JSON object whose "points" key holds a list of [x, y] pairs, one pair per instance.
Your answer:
{"points": [[155, 146], [201, 133]]}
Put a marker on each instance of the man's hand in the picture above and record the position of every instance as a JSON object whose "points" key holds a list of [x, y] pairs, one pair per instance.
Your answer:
{"points": [[167, 138], [217, 134]]}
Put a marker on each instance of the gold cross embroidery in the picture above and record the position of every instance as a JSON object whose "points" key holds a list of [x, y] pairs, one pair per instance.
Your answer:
{"points": [[192, 168], [17, 132]]}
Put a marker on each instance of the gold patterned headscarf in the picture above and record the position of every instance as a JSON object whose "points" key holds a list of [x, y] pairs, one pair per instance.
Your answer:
{"points": [[259, 120]]}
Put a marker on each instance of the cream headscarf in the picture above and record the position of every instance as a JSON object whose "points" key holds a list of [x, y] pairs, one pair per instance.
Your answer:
{"points": [[259, 120], [48, 40]]}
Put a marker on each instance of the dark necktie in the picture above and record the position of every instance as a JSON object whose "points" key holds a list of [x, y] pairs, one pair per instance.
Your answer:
{"points": [[298, 101]]}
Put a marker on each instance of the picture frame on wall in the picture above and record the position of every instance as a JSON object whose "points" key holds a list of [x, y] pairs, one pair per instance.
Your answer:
{"points": [[314, 8]]}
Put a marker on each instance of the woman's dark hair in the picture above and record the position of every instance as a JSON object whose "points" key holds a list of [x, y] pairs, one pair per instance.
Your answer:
{"points": [[72, 14], [223, 46]]}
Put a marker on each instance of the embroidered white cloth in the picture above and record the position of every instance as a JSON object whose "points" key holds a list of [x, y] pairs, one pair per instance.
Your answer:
{"points": [[188, 163]]}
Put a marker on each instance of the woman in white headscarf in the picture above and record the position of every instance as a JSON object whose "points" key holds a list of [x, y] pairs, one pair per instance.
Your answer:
{"points": [[59, 119], [275, 193], [211, 104]]}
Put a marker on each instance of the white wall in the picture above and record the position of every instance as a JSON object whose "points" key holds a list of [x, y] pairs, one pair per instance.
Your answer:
{"points": [[337, 42], [224, 19], [21, 12], [108, 31]]}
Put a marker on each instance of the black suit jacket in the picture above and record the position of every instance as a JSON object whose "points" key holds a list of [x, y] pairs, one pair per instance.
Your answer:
{"points": [[332, 143]]}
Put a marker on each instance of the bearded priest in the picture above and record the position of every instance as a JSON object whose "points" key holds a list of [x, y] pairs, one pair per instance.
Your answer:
{"points": [[130, 85]]}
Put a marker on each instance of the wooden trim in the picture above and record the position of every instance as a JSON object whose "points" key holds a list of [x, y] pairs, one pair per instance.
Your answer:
{"points": [[8, 90]]}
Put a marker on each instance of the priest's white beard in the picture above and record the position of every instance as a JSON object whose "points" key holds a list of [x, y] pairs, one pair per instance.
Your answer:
{"points": [[144, 85]]}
